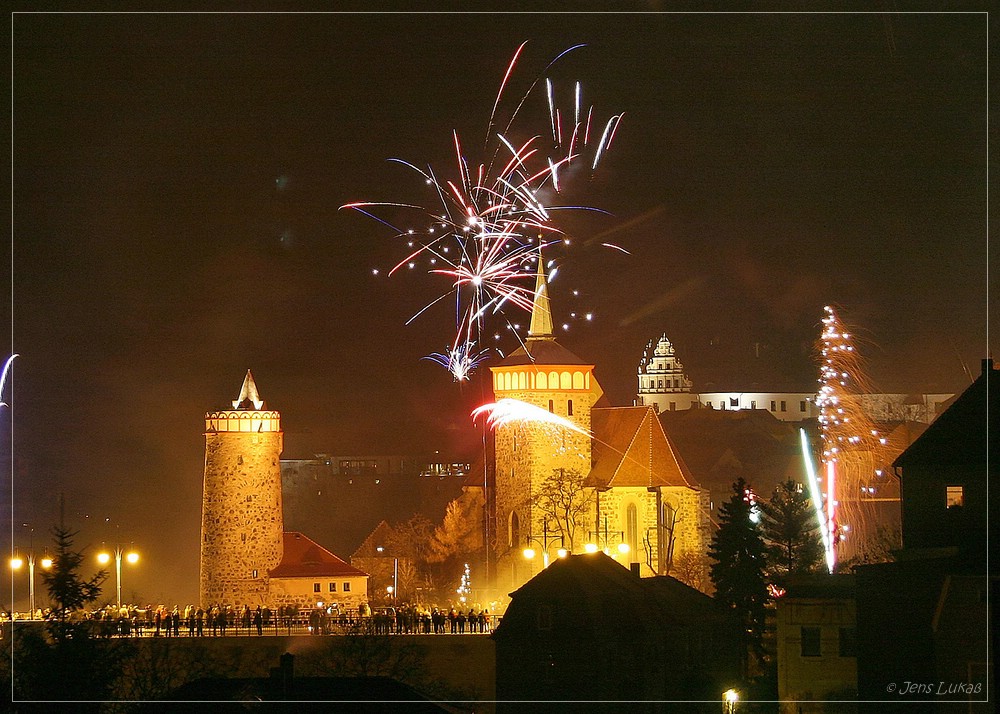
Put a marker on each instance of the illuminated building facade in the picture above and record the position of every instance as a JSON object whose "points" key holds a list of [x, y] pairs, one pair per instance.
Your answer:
{"points": [[663, 385], [241, 523], [662, 381], [619, 485], [547, 375]]}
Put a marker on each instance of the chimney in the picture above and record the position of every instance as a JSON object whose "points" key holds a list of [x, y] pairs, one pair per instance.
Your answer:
{"points": [[634, 567], [281, 676]]}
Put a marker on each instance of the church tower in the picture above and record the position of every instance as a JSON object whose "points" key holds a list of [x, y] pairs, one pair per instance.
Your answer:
{"points": [[241, 522], [546, 375]]}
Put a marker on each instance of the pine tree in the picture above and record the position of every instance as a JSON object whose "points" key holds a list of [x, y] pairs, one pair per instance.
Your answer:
{"points": [[739, 553], [791, 531], [68, 591], [66, 663]]}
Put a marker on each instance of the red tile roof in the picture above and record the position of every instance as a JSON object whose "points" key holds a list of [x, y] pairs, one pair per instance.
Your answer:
{"points": [[630, 448], [304, 558]]}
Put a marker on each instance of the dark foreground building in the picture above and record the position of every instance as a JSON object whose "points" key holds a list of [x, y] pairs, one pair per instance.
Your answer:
{"points": [[924, 620], [588, 629]]}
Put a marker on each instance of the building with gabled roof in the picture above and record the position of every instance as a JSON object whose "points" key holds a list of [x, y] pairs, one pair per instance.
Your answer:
{"points": [[309, 574], [588, 629], [643, 488]]}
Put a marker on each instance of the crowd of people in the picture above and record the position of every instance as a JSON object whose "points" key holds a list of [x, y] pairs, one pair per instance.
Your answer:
{"points": [[224, 620]]}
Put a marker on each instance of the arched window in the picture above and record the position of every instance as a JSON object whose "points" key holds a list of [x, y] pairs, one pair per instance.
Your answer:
{"points": [[513, 531], [632, 530]]}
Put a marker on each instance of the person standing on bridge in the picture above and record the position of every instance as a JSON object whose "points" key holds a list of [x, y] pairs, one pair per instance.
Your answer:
{"points": [[258, 621]]}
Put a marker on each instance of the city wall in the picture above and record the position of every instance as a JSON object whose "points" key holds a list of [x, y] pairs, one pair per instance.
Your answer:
{"points": [[448, 667]]}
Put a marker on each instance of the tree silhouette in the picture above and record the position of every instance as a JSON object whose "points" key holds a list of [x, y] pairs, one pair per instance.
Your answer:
{"points": [[790, 528], [739, 553], [563, 499], [64, 661], [68, 591]]}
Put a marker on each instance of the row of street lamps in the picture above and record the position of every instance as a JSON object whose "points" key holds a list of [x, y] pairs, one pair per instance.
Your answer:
{"points": [[104, 557]]}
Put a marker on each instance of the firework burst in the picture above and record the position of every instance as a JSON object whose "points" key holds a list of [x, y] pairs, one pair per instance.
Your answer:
{"points": [[491, 221]]}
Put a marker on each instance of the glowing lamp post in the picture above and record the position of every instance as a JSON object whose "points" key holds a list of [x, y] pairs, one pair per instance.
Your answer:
{"points": [[104, 558], [593, 546], [17, 562], [547, 535], [730, 697]]}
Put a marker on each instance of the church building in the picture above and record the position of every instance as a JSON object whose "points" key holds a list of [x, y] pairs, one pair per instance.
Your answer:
{"points": [[612, 482]]}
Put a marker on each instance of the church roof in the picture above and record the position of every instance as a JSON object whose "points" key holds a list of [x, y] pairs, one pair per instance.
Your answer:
{"points": [[630, 448], [249, 398], [305, 558], [541, 351], [541, 347], [541, 310]]}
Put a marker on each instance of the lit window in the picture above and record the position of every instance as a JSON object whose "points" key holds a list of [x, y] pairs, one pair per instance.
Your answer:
{"points": [[254, 575], [316, 587], [955, 496], [810, 642], [347, 587]]}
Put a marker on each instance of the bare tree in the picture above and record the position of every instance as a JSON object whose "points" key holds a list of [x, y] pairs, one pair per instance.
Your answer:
{"points": [[563, 500]]}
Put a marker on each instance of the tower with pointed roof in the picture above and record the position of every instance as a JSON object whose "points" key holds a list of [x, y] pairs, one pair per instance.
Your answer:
{"points": [[241, 523], [544, 374]]}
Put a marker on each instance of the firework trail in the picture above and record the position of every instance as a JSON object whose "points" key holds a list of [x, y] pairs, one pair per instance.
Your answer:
{"points": [[513, 411], [852, 447], [490, 222], [3, 377]]}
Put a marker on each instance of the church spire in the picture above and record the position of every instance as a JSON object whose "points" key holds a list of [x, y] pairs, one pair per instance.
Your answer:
{"points": [[541, 312], [249, 398]]}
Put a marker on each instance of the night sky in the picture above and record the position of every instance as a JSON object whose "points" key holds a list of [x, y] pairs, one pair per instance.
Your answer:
{"points": [[177, 178]]}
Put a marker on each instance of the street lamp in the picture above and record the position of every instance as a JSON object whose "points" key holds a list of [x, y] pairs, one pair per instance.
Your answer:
{"points": [[395, 574], [104, 558], [731, 697], [623, 548], [15, 564], [529, 552]]}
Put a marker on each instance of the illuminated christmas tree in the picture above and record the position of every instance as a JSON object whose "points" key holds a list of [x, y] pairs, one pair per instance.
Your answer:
{"points": [[465, 587], [852, 447]]}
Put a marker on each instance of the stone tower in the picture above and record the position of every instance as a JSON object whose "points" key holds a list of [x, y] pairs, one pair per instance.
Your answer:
{"points": [[547, 375], [241, 522]]}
